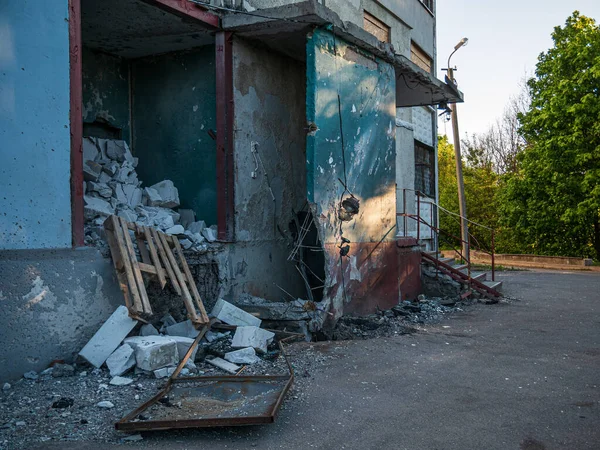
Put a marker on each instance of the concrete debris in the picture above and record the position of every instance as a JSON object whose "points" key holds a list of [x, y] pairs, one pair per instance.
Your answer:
{"points": [[242, 356], [254, 337], [91, 171], [186, 244], [6, 387], [133, 438], [90, 150], [108, 337], [185, 329], [105, 404], [120, 381], [211, 336], [176, 229], [197, 227], [148, 330], [168, 192], [187, 217], [95, 207], [183, 345], [154, 352], [103, 189], [232, 315], [224, 365], [164, 372], [152, 197], [121, 360], [209, 234], [31, 375], [127, 214]]}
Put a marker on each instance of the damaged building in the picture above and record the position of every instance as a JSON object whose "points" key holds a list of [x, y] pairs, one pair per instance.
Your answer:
{"points": [[277, 140]]}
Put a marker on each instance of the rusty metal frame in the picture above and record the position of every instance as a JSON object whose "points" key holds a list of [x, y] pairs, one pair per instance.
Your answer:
{"points": [[127, 423]]}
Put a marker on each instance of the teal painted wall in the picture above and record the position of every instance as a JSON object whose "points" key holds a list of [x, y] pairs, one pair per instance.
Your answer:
{"points": [[366, 87], [106, 90], [174, 106]]}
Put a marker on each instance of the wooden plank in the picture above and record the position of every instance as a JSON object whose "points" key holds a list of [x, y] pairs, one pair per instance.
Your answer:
{"points": [[137, 274], [154, 256], [149, 268], [137, 302], [140, 239], [118, 263], [165, 260], [187, 298], [190, 280]]}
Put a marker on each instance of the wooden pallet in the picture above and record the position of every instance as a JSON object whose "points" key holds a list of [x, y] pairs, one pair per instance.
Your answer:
{"points": [[161, 259]]}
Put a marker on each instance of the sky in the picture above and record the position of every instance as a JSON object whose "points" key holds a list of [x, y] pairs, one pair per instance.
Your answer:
{"points": [[505, 40]]}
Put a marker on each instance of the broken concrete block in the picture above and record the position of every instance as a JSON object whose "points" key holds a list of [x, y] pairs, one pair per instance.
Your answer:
{"points": [[133, 194], [242, 356], [95, 206], [31, 375], [105, 404], [185, 329], [196, 227], [168, 192], [127, 214], [254, 337], [154, 352], [186, 243], [168, 320], [120, 381], [110, 168], [188, 216], [148, 330], [121, 360], [211, 336], [163, 221], [108, 337], [101, 188], [91, 170], [124, 172], [232, 315], [104, 178], [176, 229], [164, 372], [224, 365], [117, 150], [183, 345], [153, 198], [209, 234], [90, 150]]}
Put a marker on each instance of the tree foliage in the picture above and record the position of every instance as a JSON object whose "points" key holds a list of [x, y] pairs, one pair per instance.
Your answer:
{"points": [[552, 201]]}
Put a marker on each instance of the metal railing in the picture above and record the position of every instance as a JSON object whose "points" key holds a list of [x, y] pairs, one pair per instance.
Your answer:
{"points": [[443, 235]]}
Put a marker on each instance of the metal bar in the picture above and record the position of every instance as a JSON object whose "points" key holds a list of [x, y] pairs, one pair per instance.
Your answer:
{"points": [[419, 216], [493, 258], [404, 210], [225, 114], [76, 123]]}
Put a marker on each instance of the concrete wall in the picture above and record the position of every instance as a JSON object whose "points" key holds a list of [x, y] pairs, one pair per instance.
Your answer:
{"points": [[269, 99], [174, 107], [366, 87], [34, 125], [52, 301], [106, 91]]}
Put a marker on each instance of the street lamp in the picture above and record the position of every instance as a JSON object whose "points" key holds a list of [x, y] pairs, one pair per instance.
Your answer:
{"points": [[462, 204]]}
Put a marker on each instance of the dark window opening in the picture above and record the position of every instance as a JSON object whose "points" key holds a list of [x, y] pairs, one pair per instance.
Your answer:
{"points": [[424, 169]]}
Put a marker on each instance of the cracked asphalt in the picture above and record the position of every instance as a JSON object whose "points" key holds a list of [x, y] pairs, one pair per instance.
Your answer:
{"points": [[520, 375]]}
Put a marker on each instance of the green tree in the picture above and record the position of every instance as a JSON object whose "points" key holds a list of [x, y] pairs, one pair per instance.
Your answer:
{"points": [[552, 202]]}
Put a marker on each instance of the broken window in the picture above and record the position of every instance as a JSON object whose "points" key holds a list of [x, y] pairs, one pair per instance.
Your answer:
{"points": [[420, 58], [376, 27], [424, 169]]}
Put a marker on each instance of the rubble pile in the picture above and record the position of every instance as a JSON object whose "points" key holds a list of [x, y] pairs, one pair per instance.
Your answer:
{"points": [[401, 319], [111, 186]]}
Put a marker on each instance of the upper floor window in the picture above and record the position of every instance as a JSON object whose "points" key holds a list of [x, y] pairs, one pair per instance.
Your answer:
{"points": [[420, 58], [428, 4], [376, 27]]}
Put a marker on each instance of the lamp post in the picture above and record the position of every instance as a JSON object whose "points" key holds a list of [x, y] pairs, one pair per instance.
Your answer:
{"points": [[462, 204]]}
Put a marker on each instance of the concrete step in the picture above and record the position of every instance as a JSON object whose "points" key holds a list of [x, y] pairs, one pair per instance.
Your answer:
{"points": [[461, 267], [497, 285], [479, 276]]}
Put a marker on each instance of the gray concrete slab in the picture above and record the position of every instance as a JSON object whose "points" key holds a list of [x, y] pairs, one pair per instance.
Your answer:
{"points": [[518, 376]]}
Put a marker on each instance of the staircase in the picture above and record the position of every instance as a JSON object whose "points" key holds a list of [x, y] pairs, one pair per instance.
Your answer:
{"points": [[475, 281]]}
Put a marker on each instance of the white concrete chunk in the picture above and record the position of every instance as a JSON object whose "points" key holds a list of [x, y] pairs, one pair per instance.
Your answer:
{"points": [[116, 150], [209, 234], [242, 356], [153, 197], [108, 337], [164, 372], [91, 170], [168, 192], [187, 217], [90, 151], [148, 330], [183, 345], [232, 315], [154, 352], [197, 227], [185, 329], [105, 404], [254, 337], [121, 360], [224, 365], [127, 214], [120, 381], [186, 243], [133, 194], [176, 229], [101, 188]]}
